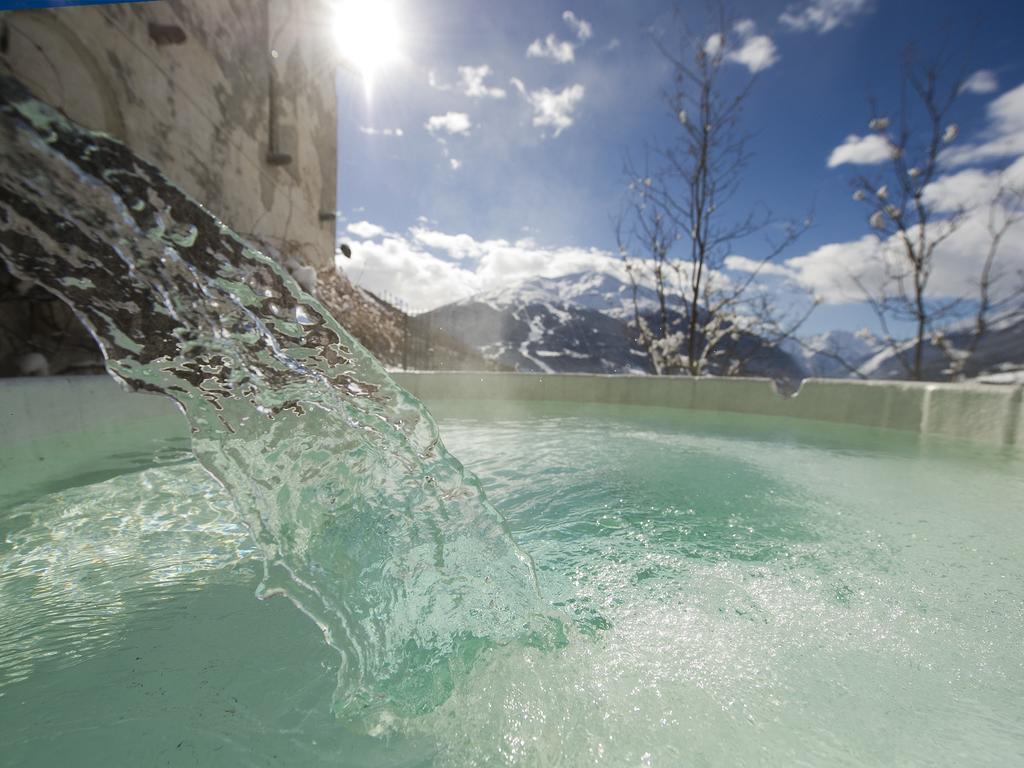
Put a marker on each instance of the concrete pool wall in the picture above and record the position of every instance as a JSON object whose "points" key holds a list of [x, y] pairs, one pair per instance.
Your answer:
{"points": [[33, 408], [980, 412], [45, 421]]}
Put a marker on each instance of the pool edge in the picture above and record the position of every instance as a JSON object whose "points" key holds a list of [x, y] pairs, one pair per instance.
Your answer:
{"points": [[38, 410]]}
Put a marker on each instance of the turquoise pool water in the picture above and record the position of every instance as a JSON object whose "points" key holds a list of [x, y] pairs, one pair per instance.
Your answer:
{"points": [[741, 591]]}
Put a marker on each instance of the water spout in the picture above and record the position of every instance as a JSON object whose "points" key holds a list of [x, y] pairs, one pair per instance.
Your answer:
{"points": [[363, 519]]}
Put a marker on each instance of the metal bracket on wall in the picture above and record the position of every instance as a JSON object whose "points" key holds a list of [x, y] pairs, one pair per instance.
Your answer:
{"points": [[166, 34], [275, 156]]}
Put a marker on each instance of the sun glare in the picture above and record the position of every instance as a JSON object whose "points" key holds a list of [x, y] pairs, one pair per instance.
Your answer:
{"points": [[368, 34]]}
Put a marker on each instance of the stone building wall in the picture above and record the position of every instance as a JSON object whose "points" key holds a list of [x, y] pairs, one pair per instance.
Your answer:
{"points": [[233, 99], [187, 84]]}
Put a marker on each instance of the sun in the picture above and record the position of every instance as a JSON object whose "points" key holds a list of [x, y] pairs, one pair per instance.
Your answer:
{"points": [[368, 34]]}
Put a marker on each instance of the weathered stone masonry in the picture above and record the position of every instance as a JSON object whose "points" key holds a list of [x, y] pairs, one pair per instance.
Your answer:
{"points": [[233, 99]]}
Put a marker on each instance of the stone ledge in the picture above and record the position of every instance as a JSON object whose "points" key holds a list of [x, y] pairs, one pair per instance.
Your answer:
{"points": [[37, 410], [979, 412]]}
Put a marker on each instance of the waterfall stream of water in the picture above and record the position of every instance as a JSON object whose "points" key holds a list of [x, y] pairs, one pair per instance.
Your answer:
{"points": [[364, 520]]}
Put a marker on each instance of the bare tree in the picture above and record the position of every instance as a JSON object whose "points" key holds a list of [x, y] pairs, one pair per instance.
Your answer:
{"points": [[913, 225], [900, 212], [678, 227], [1000, 296]]}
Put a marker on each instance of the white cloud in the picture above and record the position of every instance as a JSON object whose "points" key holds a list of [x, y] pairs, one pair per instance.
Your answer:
{"points": [[370, 131], [429, 268], [982, 81], [1003, 138], [562, 51], [744, 264], [972, 188], [822, 15], [455, 164], [861, 150], [365, 230], [581, 28], [457, 247], [436, 84], [450, 122], [503, 263], [613, 44], [745, 27], [552, 48], [714, 44], [755, 52], [552, 109], [965, 189], [828, 270], [396, 266], [970, 192], [471, 82]]}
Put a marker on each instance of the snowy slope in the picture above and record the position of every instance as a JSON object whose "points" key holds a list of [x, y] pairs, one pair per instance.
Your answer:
{"points": [[598, 291], [573, 323], [541, 336], [824, 355], [579, 322], [1001, 348]]}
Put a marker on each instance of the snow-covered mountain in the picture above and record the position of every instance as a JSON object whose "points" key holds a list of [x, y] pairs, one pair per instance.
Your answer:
{"points": [[575, 323], [580, 323], [835, 354], [598, 291], [536, 333], [1001, 348], [841, 354]]}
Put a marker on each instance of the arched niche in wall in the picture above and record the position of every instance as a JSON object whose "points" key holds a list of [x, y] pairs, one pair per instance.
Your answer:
{"points": [[45, 54]]}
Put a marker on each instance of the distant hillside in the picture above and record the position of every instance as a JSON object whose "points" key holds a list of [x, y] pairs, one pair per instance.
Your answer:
{"points": [[578, 323], [1001, 348], [841, 354], [541, 336], [833, 355], [392, 336], [587, 290]]}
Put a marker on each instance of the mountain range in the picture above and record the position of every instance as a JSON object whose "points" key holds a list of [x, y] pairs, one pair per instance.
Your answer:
{"points": [[1000, 349], [581, 323], [836, 354]]}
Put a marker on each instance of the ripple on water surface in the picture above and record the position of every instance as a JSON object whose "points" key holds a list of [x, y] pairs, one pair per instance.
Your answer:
{"points": [[736, 601]]}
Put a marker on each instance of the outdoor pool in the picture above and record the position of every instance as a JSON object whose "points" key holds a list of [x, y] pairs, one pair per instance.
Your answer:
{"points": [[740, 590]]}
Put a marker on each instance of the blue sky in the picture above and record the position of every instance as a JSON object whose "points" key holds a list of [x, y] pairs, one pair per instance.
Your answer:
{"points": [[493, 150]]}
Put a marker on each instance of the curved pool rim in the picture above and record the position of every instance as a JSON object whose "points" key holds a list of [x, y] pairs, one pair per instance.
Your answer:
{"points": [[44, 421]]}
